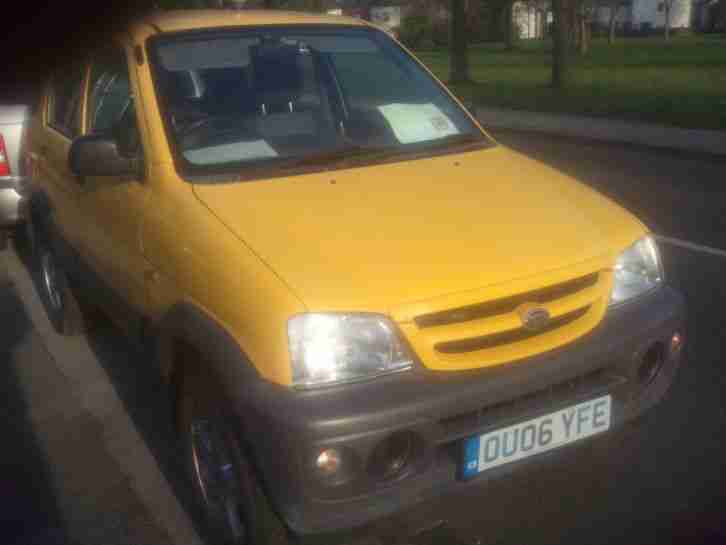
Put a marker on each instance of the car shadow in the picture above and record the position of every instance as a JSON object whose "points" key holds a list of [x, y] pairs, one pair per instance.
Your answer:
{"points": [[138, 384], [148, 402], [29, 507]]}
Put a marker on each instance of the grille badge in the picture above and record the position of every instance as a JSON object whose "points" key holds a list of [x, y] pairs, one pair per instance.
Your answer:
{"points": [[534, 317]]}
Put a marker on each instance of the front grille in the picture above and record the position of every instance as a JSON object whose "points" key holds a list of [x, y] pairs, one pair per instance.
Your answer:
{"points": [[506, 304], [491, 332], [513, 335]]}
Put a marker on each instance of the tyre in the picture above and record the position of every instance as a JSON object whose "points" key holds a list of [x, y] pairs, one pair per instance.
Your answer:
{"points": [[234, 508], [25, 238], [60, 303]]}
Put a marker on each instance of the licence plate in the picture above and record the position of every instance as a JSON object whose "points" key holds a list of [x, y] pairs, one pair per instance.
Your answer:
{"points": [[535, 436]]}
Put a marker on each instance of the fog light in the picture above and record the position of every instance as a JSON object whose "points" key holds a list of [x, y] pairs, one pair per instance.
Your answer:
{"points": [[676, 343], [329, 462], [395, 455]]}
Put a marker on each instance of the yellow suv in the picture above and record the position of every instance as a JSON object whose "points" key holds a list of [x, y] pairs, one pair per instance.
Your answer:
{"points": [[359, 298]]}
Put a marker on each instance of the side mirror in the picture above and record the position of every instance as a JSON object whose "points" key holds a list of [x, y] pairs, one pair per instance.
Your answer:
{"points": [[99, 155]]}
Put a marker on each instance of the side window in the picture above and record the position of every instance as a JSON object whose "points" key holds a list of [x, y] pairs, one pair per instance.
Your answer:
{"points": [[110, 103], [64, 113]]}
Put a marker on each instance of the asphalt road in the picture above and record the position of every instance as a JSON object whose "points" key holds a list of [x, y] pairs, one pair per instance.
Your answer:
{"points": [[88, 457]]}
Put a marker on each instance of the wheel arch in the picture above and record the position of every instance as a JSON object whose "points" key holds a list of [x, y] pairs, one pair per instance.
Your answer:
{"points": [[36, 210], [187, 323], [38, 205]]}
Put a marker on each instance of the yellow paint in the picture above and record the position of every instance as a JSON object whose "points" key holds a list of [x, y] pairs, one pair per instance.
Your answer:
{"points": [[175, 21], [403, 239]]}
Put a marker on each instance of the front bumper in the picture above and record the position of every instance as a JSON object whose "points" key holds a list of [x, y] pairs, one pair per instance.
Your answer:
{"points": [[11, 195], [288, 428]]}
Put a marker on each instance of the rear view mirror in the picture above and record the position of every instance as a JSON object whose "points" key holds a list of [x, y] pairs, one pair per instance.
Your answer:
{"points": [[98, 155]]}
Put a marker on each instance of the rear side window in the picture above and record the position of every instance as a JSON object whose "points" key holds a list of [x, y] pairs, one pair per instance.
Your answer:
{"points": [[110, 92], [110, 102], [65, 100]]}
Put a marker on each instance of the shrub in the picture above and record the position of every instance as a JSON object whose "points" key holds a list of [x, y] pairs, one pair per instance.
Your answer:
{"points": [[440, 33], [415, 31]]}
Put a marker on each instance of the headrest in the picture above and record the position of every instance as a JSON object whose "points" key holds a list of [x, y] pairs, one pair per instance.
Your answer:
{"points": [[187, 84], [276, 71]]}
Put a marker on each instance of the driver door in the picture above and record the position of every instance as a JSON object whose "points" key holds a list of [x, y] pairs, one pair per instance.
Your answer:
{"points": [[113, 206]]}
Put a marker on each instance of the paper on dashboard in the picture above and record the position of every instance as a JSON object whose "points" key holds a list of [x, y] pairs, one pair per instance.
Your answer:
{"points": [[417, 122]]}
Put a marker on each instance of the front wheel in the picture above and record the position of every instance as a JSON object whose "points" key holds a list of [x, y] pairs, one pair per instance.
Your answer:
{"points": [[235, 509], [60, 303]]}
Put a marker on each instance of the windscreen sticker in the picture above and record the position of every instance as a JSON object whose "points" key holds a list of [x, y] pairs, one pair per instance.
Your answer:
{"points": [[226, 153], [417, 122]]}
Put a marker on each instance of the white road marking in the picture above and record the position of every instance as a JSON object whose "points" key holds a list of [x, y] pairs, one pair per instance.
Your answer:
{"points": [[691, 246]]}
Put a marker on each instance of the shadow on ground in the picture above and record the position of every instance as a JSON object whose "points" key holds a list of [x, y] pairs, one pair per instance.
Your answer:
{"points": [[676, 194], [29, 512], [139, 386]]}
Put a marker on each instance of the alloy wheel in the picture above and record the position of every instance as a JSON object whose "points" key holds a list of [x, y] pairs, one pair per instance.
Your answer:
{"points": [[217, 477], [49, 276]]}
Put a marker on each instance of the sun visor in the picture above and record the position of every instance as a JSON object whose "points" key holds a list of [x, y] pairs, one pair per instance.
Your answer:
{"points": [[203, 54]]}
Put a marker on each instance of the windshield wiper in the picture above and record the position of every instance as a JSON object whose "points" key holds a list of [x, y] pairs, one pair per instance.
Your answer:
{"points": [[356, 151], [341, 154]]}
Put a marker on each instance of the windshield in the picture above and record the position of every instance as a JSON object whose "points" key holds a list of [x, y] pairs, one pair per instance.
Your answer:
{"points": [[298, 96]]}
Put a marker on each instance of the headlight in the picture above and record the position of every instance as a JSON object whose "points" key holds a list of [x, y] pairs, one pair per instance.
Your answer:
{"points": [[333, 348], [637, 271]]}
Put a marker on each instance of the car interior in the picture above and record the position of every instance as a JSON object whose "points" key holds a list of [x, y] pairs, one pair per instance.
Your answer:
{"points": [[284, 102]]}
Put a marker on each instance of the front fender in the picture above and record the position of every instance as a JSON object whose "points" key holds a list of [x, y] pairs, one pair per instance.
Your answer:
{"points": [[227, 361]]}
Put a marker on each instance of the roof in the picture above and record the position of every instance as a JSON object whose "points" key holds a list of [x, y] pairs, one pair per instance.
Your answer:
{"points": [[178, 20]]}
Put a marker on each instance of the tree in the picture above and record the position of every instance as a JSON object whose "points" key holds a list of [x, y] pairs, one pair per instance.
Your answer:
{"points": [[508, 24], [583, 10], [614, 6], [561, 10], [717, 17], [541, 9], [459, 71], [667, 5]]}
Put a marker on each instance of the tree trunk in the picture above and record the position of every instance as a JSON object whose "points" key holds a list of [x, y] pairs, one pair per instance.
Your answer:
{"points": [[507, 25], [667, 5], [613, 19], [584, 32], [561, 44], [459, 72], [574, 24]]}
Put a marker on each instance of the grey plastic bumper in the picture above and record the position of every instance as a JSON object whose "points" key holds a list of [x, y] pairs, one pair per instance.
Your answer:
{"points": [[285, 427]]}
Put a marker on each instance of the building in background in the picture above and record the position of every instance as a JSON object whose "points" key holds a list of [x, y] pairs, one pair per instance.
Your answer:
{"points": [[645, 15], [531, 17]]}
